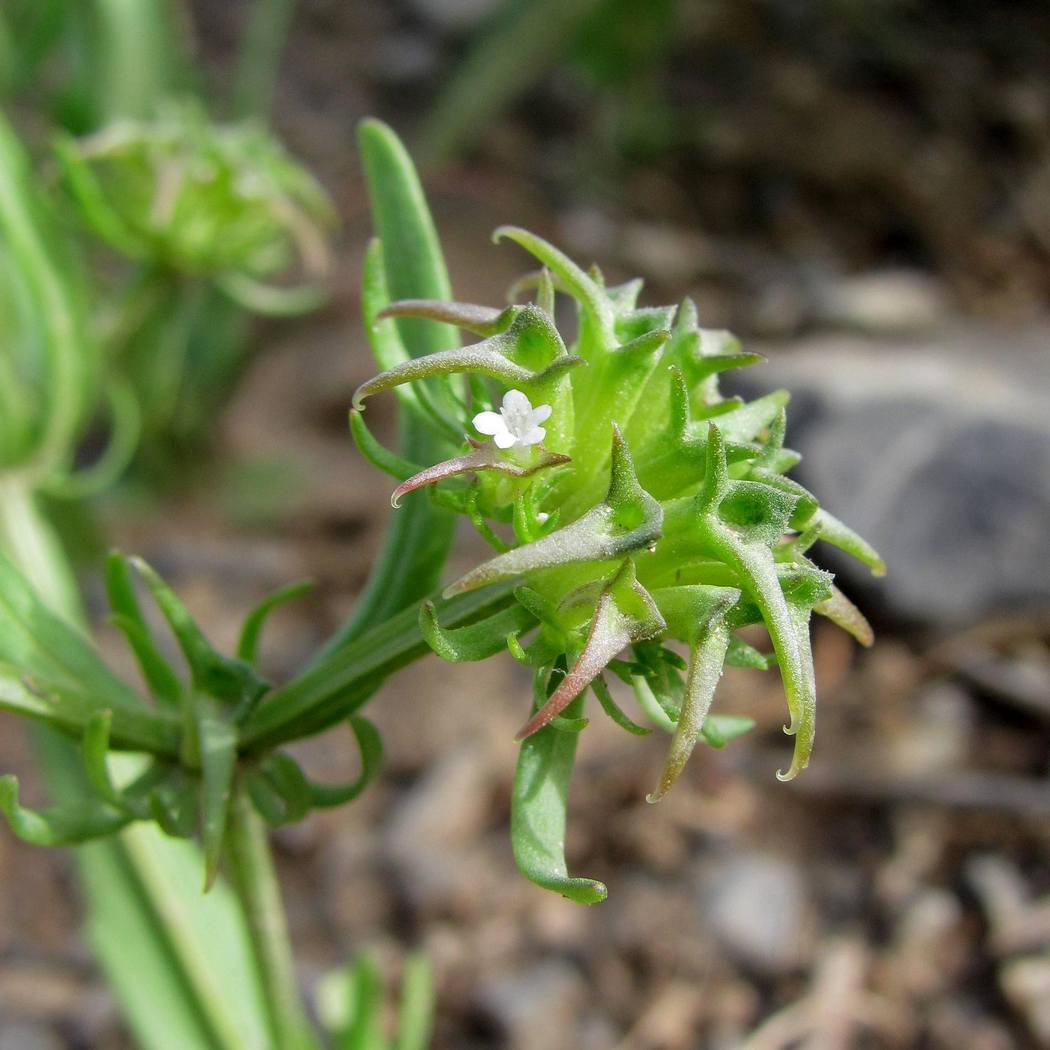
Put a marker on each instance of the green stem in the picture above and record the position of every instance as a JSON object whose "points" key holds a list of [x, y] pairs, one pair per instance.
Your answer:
{"points": [[340, 682], [254, 877], [30, 542], [261, 46], [140, 57]]}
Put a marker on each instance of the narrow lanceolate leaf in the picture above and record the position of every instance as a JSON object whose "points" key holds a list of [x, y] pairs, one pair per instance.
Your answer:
{"points": [[703, 610], [737, 520], [840, 610], [842, 536], [593, 298], [59, 825], [278, 789], [95, 747], [480, 320], [217, 740], [537, 812], [415, 1016], [214, 674], [69, 709], [248, 644], [626, 613], [38, 642], [376, 454], [478, 641], [418, 540], [370, 748], [492, 357], [161, 679], [483, 456], [614, 711], [627, 520]]}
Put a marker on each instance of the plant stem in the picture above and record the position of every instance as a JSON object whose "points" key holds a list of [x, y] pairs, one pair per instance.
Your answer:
{"points": [[30, 542], [254, 877], [261, 44]]}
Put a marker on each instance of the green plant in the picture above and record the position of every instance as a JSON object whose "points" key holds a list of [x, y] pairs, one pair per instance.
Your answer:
{"points": [[630, 505]]}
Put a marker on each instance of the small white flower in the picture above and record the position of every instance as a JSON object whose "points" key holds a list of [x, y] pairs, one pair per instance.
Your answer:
{"points": [[516, 424]]}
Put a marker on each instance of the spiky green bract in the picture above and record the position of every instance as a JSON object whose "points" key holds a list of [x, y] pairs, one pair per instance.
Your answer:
{"points": [[656, 511]]}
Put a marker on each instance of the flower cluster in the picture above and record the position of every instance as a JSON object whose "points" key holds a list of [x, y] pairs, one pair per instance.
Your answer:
{"points": [[647, 508]]}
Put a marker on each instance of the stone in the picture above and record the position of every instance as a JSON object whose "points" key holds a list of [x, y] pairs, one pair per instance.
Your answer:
{"points": [[937, 451], [536, 1008], [27, 1035], [881, 301], [756, 906], [454, 16]]}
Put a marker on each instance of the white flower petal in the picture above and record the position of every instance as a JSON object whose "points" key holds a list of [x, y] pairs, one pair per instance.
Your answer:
{"points": [[505, 439], [489, 423], [515, 401], [533, 437], [541, 413]]}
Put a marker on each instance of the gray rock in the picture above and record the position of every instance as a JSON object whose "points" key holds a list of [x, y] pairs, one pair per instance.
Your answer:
{"points": [[881, 301], [756, 905], [937, 452], [454, 16], [535, 1009], [27, 1035]]}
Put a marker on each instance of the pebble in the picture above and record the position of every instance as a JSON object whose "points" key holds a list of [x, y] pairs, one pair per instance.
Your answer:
{"points": [[27, 1035], [881, 301], [454, 16], [757, 907], [536, 1008]]}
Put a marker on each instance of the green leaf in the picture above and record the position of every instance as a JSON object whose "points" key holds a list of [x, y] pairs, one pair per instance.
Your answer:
{"points": [[67, 708], [743, 546], [840, 610], [625, 613], [484, 456], [95, 748], [416, 1016], [59, 825], [178, 961], [357, 1024], [233, 681], [708, 634], [842, 536], [493, 357], [627, 520], [740, 654], [586, 291], [718, 730], [336, 685], [39, 643], [217, 740], [613, 710], [370, 748], [376, 454], [253, 624], [160, 677], [477, 641], [417, 543], [279, 790], [537, 812], [174, 804]]}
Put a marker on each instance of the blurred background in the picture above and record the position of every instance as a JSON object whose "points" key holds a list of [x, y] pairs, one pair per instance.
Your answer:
{"points": [[860, 189]]}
